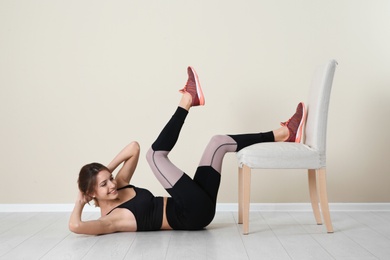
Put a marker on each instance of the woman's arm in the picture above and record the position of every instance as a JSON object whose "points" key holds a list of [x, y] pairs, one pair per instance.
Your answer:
{"points": [[129, 155], [103, 225]]}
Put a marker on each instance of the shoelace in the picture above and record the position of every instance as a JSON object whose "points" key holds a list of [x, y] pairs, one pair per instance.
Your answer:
{"points": [[285, 123], [185, 87]]}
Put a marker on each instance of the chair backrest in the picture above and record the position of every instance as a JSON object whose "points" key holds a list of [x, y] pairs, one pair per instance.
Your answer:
{"points": [[318, 105]]}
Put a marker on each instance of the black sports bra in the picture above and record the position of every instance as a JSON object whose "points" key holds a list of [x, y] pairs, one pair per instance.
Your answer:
{"points": [[147, 209]]}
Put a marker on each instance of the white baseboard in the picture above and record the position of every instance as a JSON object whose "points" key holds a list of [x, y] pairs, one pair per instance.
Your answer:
{"points": [[221, 207], [43, 208], [269, 207]]}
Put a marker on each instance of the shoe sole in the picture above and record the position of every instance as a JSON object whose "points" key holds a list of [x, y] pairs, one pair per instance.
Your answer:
{"points": [[199, 91], [298, 136]]}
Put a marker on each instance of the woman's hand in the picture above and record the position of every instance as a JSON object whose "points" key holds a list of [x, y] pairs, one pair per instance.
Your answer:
{"points": [[82, 198]]}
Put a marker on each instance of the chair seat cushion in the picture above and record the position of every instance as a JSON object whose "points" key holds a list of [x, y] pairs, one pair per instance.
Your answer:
{"points": [[281, 155]]}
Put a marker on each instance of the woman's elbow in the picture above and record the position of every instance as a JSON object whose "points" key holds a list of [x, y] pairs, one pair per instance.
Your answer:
{"points": [[75, 228], [133, 149], [135, 146]]}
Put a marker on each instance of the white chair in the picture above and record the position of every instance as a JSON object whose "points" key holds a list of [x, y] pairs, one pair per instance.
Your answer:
{"points": [[311, 154]]}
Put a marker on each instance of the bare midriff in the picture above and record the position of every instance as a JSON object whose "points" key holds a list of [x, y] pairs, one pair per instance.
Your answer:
{"points": [[165, 224]]}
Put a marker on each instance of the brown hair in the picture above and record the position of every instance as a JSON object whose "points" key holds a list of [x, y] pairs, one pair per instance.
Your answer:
{"points": [[87, 178]]}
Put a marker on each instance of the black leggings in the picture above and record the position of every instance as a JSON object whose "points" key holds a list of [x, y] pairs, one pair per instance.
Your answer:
{"points": [[193, 201]]}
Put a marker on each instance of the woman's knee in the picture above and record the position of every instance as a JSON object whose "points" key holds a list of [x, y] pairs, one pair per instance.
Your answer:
{"points": [[152, 156], [217, 140], [221, 140], [149, 155]]}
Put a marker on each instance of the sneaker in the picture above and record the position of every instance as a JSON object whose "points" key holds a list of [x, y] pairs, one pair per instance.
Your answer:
{"points": [[193, 87], [295, 124]]}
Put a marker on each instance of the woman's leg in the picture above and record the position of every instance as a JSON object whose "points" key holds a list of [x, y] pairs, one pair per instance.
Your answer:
{"points": [[219, 145], [208, 173], [190, 208], [157, 156]]}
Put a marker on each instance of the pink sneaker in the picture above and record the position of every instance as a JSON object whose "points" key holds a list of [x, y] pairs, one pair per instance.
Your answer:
{"points": [[295, 124], [193, 87]]}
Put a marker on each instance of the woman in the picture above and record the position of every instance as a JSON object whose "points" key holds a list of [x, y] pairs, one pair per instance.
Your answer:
{"points": [[192, 204]]}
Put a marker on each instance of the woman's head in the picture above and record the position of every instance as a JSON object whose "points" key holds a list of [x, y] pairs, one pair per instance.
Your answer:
{"points": [[96, 181]]}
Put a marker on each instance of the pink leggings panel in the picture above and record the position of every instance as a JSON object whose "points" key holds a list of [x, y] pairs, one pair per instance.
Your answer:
{"points": [[168, 174]]}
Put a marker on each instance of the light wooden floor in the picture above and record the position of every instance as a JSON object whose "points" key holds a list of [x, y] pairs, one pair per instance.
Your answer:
{"points": [[274, 235]]}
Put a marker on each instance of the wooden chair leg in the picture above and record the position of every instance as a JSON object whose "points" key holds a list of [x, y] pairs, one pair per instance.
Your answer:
{"points": [[240, 195], [314, 195], [324, 199], [246, 180]]}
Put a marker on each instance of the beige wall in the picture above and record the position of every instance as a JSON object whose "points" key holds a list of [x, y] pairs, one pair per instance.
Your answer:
{"points": [[81, 79]]}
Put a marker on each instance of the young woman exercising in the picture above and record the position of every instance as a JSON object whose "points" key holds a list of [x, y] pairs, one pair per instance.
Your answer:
{"points": [[192, 202]]}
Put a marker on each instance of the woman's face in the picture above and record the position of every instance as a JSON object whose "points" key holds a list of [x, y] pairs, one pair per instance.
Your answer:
{"points": [[105, 186]]}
